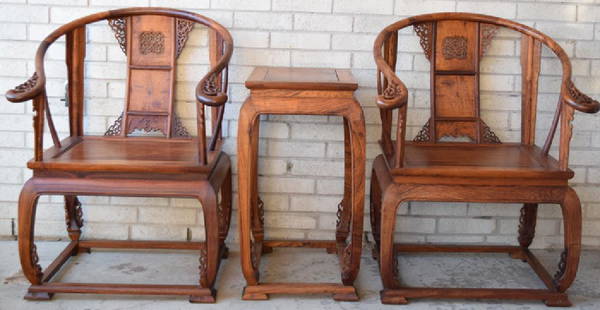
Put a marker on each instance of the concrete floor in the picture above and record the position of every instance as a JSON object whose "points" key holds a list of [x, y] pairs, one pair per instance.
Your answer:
{"points": [[489, 270]]}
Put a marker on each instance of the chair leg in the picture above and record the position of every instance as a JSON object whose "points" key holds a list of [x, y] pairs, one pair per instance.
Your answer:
{"points": [[375, 213], [569, 260], [224, 213], [27, 249], [209, 255], [345, 206], [388, 260], [73, 217]]}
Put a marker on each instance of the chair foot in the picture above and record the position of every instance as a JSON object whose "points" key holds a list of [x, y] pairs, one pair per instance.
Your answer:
{"points": [[353, 296], [204, 299], [391, 299], [558, 302], [254, 296], [38, 296]]}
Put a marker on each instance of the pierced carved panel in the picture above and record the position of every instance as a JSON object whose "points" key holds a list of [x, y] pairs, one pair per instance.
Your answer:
{"points": [[203, 265], [425, 33], [488, 31], [454, 47], [119, 27], [179, 130], [152, 42], [562, 267], [487, 135], [183, 28], [116, 127], [423, 135]]}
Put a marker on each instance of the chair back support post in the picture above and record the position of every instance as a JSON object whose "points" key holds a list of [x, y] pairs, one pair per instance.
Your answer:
{"points": [[75, 57]]}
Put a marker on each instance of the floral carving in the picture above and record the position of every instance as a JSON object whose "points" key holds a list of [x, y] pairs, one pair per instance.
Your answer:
{"points": [[340, 211], [425, 33], [578, 96], [261, 212], [454, 47], [526, 225], [183, 28], [562, 267], [488, 136], [423, 135], [152, 42], [203, 265], [346, 262], [28, 85], [488, 31], [115, 128], [180, 130], [119, 27], [210, 85], [35, 261], [392, 91]]}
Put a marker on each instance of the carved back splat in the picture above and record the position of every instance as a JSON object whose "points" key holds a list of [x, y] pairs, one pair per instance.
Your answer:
{"points": [[454, 49], [152, 44]]}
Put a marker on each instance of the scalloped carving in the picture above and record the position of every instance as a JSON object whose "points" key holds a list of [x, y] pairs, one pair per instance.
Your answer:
{"points": [[116, 127], [425, 33], [183, 28], [487, 135], [488, 32], [119, 27], [424, 133]]}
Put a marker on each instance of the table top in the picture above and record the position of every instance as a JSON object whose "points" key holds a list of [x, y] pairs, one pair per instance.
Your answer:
{"points": [[301, 78]]}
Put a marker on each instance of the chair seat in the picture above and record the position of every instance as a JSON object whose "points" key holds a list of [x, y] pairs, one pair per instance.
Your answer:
{"points": [[508, 160], [139, 154]]}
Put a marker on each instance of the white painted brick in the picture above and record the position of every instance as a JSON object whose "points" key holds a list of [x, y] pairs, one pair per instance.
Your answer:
{"points": [[363, 7], [372, 24], [321, 59], [302, 5], [288, 185], [587, 49], [454, 239], [261, 20], [181, 4], [438, 209], [300, 40], [306, 203], [261, 57], [296, 221], [295, 149], [18, 13], [102, 213], [542, 227], [466, 226], [61, 15], [167, 215], [105, 231], [317, 168], [495, 8], [409, 7], [256, 39], [258, 5], [275, 202], [415, 225], [354, 42], [158, 232], [546, 11], [330, 187], [317, 132], [567, 31], [60, 2], [320, 22], [13, 31]]}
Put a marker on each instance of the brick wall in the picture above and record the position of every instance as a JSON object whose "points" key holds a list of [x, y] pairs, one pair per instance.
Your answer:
{"points": [[301, 157]]}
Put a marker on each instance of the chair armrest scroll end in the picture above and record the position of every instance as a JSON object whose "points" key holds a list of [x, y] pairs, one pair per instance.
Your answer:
{"points": [[27, 90], [578, 100]]}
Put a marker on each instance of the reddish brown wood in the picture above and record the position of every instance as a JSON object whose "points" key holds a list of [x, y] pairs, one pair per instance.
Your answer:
{"points": [[120, 164], [302, 91], [481, 171]]}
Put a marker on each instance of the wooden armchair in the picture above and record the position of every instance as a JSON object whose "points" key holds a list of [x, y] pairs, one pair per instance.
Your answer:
{"points": [[170, 163], [483, 170]]}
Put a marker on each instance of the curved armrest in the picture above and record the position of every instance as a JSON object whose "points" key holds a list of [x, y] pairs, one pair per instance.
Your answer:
{"points": [[394, 95], [208, 92], [28, 90], [578, 100]]}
